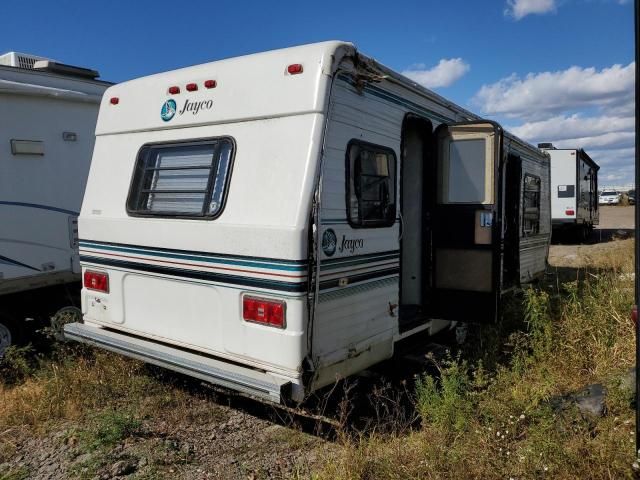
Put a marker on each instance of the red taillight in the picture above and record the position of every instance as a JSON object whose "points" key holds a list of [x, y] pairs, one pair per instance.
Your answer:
{"points": [[634, 315], [294, 69], [114, 101], [570, 212], [267, 312], [210, 84], [96, 281], [192, 87], [174, 90]]}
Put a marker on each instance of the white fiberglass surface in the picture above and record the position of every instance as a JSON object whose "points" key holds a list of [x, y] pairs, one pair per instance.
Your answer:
{"points": [[177, 311]]}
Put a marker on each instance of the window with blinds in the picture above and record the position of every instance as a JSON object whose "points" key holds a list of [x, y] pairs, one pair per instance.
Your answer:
{"points": [[181, 180]]}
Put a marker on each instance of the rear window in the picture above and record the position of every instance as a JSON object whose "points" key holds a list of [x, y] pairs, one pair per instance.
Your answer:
{"points": [[181, 179], [609, 193]]}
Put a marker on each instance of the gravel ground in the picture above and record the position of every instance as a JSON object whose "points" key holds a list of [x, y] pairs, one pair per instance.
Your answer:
{"points": [[215, 442], [616, 222]]}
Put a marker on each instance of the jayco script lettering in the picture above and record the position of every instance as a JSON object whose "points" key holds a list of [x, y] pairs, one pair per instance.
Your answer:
{"points": [[350, 244], [195, 107]]}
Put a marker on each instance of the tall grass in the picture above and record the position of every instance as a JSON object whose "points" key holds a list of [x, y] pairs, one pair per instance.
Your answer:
{"points": [[513, 420], [495, 410], [76, 383]]}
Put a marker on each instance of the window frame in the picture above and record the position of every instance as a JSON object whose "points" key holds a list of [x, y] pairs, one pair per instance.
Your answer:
{"points": [[380, 148], [135, 181], [539, 179], [444, 167]]}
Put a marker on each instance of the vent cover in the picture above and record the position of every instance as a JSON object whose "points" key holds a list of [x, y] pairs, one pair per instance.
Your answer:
{"points": [[19, 60]]}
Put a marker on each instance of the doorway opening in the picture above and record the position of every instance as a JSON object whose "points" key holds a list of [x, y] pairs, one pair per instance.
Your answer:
{"points": [[415, 198]]}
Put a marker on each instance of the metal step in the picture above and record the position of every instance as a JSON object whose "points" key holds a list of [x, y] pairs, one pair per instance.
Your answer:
{"points": [[228, 375]]}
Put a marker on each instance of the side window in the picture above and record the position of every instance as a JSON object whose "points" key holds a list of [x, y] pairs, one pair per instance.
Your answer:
{"points": [[371, 185], [530, 205], [181, 179]]}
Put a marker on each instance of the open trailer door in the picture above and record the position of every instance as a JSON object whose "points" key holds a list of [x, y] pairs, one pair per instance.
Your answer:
{"points": [[466, 228]]}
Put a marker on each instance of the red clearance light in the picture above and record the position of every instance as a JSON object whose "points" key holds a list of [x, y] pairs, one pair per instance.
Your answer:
{"points": [[96, 281], [266, 312], [294, 69], [570, 212], [634, 315], [174, 90], [114, 101], [192, 87], [210, 84]]}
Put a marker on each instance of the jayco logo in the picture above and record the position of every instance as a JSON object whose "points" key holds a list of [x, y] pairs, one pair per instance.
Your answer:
{"points": [[350, 244], [170, 108], [329, 241], [195, 107]]}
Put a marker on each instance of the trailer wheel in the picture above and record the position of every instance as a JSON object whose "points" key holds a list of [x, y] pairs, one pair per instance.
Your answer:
{"points": [[9, 334], [61, 318]]}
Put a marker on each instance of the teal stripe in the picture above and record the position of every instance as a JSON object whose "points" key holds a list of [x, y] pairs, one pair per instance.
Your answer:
{"points": [[362, 257], [356, 289], [216, 284], [207, 259], [355, 261]]}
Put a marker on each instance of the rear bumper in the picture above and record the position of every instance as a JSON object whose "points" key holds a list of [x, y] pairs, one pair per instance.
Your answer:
{"points": [[563, 222], [252, 382]]}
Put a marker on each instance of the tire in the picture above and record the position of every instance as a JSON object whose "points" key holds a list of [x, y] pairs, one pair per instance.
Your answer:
{"points": [[61, 318], [9, 334]]}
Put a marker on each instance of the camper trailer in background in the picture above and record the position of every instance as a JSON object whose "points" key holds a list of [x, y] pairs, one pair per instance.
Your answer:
{"points": [[46, 140], [274, 235], [574, 191]]}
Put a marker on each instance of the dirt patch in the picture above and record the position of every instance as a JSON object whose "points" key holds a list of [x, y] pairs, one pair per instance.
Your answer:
{"points": [[214, 441], [616, 217], [616, 224]]}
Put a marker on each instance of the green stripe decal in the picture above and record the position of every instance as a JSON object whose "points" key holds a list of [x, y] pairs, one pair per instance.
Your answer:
{"points": [[290, 266], [357, 289]]}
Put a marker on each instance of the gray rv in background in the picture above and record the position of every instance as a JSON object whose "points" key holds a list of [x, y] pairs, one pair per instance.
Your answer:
{"points": [[46, 139]]}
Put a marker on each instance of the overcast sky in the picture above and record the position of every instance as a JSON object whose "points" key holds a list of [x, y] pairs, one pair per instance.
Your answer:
{"points": [[548, 70]]}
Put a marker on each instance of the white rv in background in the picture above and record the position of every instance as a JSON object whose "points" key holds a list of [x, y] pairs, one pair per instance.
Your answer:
{"points": [[46, 140], [574, 191], [273, 222]]}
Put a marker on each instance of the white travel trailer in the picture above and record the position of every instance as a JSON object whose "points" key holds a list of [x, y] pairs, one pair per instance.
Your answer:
{"points": [[574, 190], [273, 222], [46, 141]]}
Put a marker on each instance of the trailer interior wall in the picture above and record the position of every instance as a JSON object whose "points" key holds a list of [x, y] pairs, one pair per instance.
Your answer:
{"points": [[46, 142]]}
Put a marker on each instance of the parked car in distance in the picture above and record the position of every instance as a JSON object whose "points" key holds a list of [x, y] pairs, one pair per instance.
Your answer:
{"points": [[609, 197], [631, 197]]}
